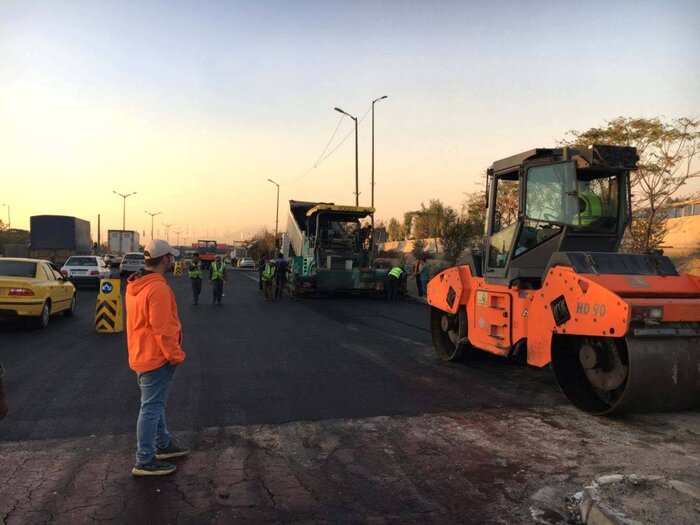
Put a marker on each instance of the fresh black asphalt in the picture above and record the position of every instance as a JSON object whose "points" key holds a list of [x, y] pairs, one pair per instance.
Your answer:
{"points": [[252, 362]]}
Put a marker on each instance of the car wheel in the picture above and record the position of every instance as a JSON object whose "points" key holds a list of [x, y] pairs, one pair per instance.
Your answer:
{"points": [[43, 320], [71, 308]]}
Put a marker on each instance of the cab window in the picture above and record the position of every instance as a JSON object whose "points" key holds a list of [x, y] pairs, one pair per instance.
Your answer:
{"points": [[504, 223]]}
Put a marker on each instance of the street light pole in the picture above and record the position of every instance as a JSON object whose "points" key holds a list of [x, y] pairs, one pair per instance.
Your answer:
{"points": [[124, 209], [277, 210], [357, 180], [373, 103], [9, 221], [178, 232], [167, 232], [153, 215]]}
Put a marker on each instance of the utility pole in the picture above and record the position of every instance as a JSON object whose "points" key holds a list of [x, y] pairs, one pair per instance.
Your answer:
{"points": [[167, 232], [374, 102], [178, 232], [357, 181], [277, 210], [153, 215], [123, 196]]}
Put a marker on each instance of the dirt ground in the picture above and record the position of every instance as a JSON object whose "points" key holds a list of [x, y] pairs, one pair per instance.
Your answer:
{"points": [[651, 502], [491, 466]]}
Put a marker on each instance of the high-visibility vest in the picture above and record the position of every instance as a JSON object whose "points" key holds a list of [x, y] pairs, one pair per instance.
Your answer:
{"points": [[217, 272], [396, 272], [268, 271], [594, 207], [195, 270]]}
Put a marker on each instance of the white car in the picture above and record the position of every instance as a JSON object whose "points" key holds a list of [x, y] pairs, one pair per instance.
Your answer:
{"points": [[246, 262], [86, 269], [132, 262]]}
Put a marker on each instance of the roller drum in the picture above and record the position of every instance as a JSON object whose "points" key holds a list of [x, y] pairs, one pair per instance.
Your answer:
{"points": [[606, 376]]}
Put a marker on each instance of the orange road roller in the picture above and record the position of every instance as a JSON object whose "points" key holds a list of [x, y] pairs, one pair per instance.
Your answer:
{"points": [[621, 332]]}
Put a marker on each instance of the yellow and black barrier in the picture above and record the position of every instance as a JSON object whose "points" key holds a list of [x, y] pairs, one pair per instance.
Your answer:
{"points": [[109, 312], [177, 271]]}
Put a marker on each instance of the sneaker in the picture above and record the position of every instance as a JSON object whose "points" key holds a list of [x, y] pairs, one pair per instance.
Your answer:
{"points": [[171, 451], [153, 468]]}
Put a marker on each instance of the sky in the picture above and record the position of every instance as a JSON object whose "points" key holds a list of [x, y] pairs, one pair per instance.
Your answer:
{"points": [[195, 105]]}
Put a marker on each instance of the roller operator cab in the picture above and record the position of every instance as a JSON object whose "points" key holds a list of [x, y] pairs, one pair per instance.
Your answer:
{"points": [[621, 331]]}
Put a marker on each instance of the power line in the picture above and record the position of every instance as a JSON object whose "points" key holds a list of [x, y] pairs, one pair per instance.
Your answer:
{"points": [[321, 157]]}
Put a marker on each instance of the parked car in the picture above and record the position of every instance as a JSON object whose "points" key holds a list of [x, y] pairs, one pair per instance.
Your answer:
{"points": [[34, 289], [132, 262], [246, 262], [86, 269]]}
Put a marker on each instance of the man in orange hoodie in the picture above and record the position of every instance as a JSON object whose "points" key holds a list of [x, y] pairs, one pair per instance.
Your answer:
{"points": [[153, 335]]}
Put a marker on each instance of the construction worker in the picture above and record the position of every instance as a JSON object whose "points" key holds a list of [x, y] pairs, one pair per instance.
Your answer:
{"points": [[217, 278], [194, 270], [424, 276], [280, 275], [394, 282], [261, 268], [418, 275], [268, 279], [590, 207]]}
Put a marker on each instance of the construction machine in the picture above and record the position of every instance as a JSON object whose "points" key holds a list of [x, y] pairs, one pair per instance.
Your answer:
{"points": [[621, 332], [330, 250], [207, 251]]}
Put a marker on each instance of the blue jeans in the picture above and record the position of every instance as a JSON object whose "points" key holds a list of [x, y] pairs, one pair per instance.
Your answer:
{"points": [[150, 428]]}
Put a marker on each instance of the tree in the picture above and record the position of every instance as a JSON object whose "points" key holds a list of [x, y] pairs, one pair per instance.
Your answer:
{"points": [[418, 250], [262, 243], [455, 239], [14, 236], [394, 230], [431, 221], [666, 151], [468, 231]]}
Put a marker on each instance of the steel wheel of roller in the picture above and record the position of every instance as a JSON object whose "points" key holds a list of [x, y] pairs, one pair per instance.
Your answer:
{"points": [[449, 332], [607, 375]]}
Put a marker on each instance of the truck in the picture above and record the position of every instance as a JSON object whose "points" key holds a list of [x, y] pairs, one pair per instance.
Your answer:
{"points": [[123, 241], [207, 251], [57, 237], [330, 250]]}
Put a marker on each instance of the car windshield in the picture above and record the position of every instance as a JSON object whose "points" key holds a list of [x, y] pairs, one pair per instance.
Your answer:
{"points": [[81, 261], [134, 257], [18, 269]]}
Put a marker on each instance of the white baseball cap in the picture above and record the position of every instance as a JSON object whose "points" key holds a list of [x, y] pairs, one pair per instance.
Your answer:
{"points": [[157, 248]]}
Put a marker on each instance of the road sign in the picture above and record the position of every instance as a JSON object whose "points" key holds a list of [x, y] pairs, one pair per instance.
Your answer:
{"points": [[109, 312]]}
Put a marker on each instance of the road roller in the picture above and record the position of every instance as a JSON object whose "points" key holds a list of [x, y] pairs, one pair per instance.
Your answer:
{"points": [[621, 332]]}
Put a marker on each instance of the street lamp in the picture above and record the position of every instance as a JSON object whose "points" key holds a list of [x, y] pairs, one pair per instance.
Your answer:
{"points": [[9, 222], [153, 215], [167, 232], [277, 210], [178, 232], [357, 183], [124, 209], [374, 102]]}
